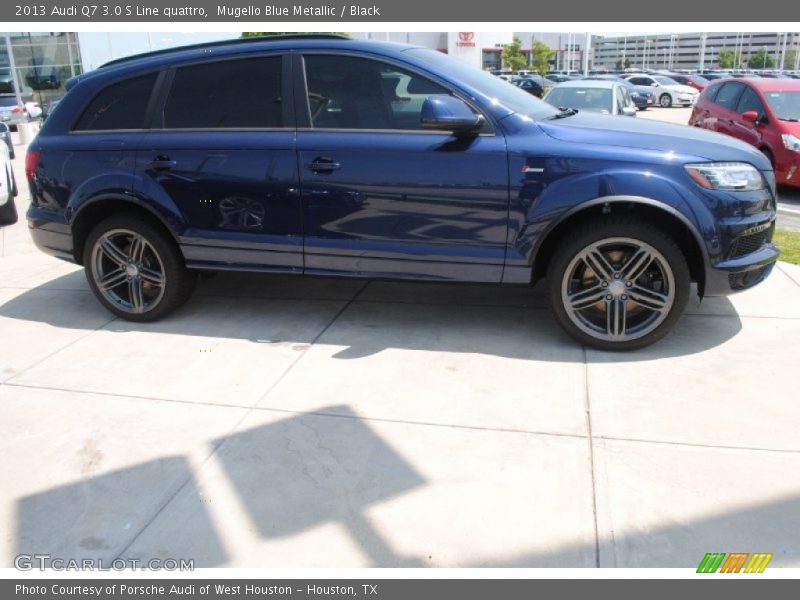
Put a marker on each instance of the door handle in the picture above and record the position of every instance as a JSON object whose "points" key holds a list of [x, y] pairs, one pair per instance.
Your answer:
{"points": [[162, 163], [323, 164]]}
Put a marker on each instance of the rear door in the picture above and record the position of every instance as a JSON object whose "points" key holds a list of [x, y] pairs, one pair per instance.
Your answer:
{"points": [[381, 195], [222, 152]]}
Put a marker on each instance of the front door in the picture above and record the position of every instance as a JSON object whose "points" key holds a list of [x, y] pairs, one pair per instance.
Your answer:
{"points": [[382, 196]]}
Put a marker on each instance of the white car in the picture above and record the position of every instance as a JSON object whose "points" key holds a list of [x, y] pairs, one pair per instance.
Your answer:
{"points": [[8, 189], [668, 91]]}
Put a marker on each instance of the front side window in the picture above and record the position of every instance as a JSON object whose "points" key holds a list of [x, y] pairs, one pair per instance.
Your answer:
{"points": [[241, 93], [346, 92], [750, 101], [121, 105]]}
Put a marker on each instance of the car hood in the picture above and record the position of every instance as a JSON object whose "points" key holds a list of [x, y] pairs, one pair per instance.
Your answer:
{"points": [[585, 128], [792, 127]]}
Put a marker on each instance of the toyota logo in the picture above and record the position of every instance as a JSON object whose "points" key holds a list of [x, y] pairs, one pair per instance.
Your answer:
{"points": [[466, 36]]}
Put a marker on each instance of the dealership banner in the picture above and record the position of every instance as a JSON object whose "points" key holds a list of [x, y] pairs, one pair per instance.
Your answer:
{"points": [[393, 589], [444, 11]]}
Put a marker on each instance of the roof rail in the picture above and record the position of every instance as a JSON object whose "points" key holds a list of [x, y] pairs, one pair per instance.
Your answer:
{"points": [[224, 43]]}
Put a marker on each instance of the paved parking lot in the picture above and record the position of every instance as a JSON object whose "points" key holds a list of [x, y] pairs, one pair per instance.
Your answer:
{"points": [[291, 422]]}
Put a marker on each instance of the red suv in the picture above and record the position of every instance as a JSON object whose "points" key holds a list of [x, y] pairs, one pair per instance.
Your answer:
{"points": [[762, 112]]}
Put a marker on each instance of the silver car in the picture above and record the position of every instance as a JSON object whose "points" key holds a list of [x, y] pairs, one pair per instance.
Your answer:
{"points": [[11, 113], [593, 95]]}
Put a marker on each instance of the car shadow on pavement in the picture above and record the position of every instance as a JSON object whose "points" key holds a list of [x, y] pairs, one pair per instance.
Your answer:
{"points": [[289, 476], [366, 318]]}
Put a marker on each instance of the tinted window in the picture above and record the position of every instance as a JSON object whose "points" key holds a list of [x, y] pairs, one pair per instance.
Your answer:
{"points": [[121, 105], [244, 93], [593, 99], [728, 95], [750, 101], [356, 93], [8, 101], [641, 80]]}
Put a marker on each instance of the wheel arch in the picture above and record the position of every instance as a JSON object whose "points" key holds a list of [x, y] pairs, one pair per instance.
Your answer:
{"points": [[663, 216], [103, 206]]}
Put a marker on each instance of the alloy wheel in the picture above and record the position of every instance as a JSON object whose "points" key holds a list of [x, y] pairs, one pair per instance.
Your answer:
{"points": [[128, 271], [618, 289]]}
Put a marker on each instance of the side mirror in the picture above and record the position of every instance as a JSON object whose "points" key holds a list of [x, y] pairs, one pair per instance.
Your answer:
{"points": [[629, 111], [655, 84], [750, 116], [447, 113]]}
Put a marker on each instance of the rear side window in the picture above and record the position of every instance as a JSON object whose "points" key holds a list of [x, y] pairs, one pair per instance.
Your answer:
{"points": [[728, 95], [122, 105], [242, 93]]}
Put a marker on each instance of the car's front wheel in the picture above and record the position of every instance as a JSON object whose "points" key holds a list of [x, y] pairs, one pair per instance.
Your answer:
{"points": [[665, 101], [618, 283], [135, 269]]}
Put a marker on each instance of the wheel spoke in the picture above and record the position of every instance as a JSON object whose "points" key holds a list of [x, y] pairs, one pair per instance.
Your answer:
{"points": [[616, 315], [113, 252], [598, 263], [136, 294], [585, 298], [151, 276], [636, 264], [649, 298], [136, 250], [112, 279]]}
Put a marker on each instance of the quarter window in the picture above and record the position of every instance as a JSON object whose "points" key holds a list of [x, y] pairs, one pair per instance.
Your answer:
{"points": [[122, 105], [346, 92], [242, 93]]}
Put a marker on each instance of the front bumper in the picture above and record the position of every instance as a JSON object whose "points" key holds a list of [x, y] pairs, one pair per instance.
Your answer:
{"points": [[739, 274]]}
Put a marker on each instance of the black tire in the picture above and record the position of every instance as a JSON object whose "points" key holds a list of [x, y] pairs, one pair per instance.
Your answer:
{"points": [[605, 228], [178, 281], [665, 101], [8, 211]]}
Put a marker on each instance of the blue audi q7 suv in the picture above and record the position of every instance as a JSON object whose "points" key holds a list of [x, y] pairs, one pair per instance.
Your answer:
{"points": [[319, 155]]}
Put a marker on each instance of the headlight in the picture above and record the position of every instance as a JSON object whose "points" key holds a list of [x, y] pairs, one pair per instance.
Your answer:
{"points": [[737, 177], [792, 142]]}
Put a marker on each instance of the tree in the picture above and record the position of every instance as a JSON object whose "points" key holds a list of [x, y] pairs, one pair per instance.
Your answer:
{"points": [[541, 54], [790, 59], [512, 56], [761, 60], [730, 59], [627, 63]]}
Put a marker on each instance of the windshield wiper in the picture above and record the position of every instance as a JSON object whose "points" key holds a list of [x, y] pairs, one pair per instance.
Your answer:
{"points": [[788, 119], [564, 112]]}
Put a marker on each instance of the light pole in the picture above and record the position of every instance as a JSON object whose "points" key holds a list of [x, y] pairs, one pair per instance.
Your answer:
{"points": [[765, 58]]}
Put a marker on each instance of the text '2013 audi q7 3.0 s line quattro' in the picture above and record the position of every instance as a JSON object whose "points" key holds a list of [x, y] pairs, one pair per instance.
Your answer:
{"points": [[320, 155]]}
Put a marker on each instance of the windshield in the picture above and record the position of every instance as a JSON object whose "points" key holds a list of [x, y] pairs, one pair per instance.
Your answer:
{"points": [[593, 99], [665, 80], [785, 105], [502, 92], [699, 79]]}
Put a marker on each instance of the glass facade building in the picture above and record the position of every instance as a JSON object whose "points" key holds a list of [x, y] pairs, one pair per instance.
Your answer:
{"points": [[35, 66]]}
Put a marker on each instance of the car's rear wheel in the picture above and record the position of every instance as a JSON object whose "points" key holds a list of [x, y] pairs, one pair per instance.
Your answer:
{"points": [[665, 101], [135, 269], [618, 284]]}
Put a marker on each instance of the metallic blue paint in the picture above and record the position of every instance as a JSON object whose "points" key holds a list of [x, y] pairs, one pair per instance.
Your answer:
{"points": [[399, 204]]}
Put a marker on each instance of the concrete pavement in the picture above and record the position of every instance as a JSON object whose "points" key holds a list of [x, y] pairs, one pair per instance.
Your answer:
{"points": [[277, 421]]}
